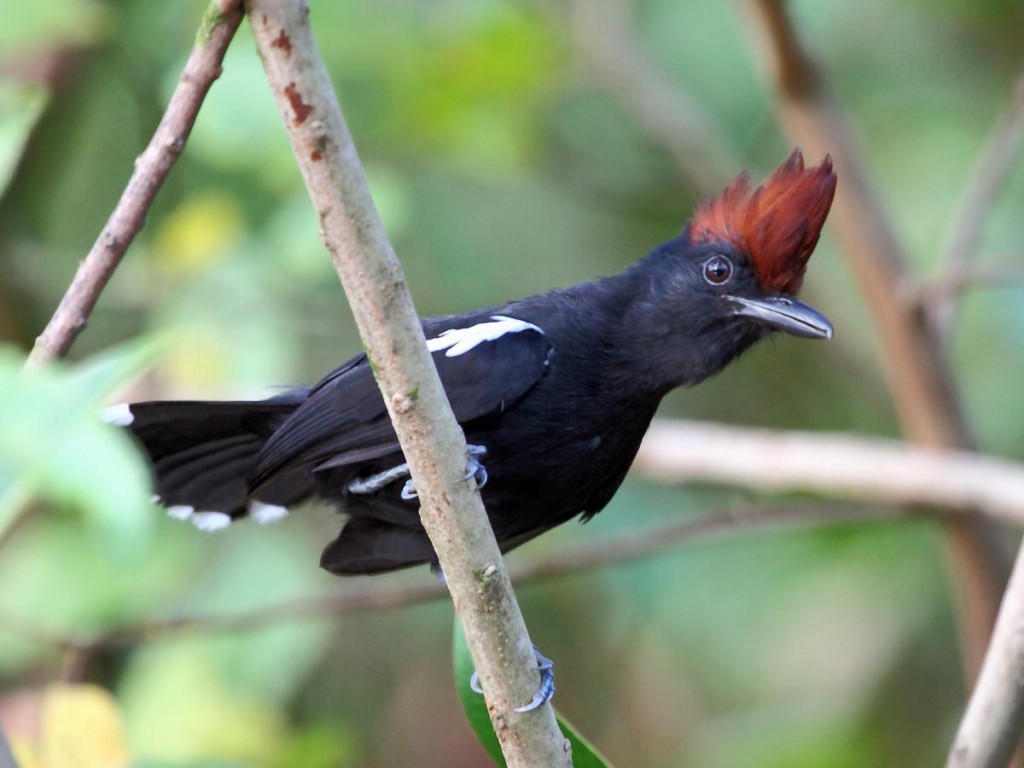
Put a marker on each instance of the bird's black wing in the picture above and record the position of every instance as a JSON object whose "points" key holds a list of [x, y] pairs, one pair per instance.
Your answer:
{"points": [[485, 368]]}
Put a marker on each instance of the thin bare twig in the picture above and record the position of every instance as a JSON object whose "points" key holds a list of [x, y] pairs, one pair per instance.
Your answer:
{"points": [[151, 168], [435, 448], [951, 284], [917, 374], [18, 626], [990, 173]]}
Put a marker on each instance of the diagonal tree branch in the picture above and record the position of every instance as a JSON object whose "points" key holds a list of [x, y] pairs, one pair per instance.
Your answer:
{"points": [[434, 446], [991, 725], [917, 374], [218, 27]]}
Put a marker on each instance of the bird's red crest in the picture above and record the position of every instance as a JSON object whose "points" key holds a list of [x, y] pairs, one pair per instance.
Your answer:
{"points": [[777, 224]]}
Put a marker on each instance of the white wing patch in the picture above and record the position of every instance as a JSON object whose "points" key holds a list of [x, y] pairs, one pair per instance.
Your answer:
{"points": [[461, 340]]}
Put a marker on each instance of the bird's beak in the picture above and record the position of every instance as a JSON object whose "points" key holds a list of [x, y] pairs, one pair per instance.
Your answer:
{"points": [[784, 313]]}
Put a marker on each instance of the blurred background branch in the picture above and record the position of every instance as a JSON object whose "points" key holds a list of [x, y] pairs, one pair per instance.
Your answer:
{"points": [[920, 382], [835, 465], [347, 600], [953, 283], [602, 36], [922, 386]]}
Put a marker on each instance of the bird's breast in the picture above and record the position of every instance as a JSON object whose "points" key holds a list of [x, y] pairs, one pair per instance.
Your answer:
{"points": [[552, 464]]}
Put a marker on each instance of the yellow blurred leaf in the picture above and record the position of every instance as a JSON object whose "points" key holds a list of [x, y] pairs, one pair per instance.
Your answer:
{"points": [[65, 726], [181, 706], [82, 728], [199, 232], [197, 364]]}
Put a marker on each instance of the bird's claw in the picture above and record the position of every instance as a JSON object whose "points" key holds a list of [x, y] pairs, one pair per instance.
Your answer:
{"points": [[474, 469], [546, 690]]}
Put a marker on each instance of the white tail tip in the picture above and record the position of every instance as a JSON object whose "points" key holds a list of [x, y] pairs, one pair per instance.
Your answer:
{"points": [[180, 511], [211, 521], [119, 415], [264, 513]]}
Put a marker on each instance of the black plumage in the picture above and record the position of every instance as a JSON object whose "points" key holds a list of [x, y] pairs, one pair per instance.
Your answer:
{"points": [[556, 391]]}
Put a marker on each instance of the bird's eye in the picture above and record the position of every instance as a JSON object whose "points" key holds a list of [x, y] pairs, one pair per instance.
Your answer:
{"points": [[717, 269]]}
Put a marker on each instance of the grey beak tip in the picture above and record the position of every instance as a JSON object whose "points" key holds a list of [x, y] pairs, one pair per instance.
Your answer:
{"points": [[784, 313]]}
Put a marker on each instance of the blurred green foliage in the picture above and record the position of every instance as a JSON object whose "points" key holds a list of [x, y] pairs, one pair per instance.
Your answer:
{"points": [[502, 166], [54, 448]]}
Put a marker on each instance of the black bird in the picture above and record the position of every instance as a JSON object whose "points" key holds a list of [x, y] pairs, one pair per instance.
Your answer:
{"points": [[554, 392]]}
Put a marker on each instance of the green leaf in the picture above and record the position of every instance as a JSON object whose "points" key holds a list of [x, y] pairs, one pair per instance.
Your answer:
{"points": [[21, 105], [55, 448], [472, 702], [584, 754], [98, 376]]}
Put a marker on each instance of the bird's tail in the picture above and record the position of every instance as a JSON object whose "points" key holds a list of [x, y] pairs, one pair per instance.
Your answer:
{"points": [[201, 453]]}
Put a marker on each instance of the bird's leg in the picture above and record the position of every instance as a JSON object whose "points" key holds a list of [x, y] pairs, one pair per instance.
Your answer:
{"points": [[546, 690], [474, 470], [379, 480]]}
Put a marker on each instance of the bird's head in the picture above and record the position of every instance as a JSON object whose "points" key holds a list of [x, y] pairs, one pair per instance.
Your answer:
{"points": [[733, 274], [758, 243]]}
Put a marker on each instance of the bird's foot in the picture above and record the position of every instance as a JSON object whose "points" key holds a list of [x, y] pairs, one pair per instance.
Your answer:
{"points": [[546, 690], [474, 470]]}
